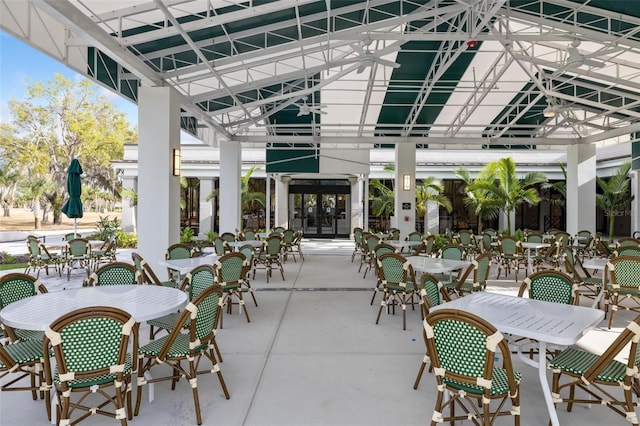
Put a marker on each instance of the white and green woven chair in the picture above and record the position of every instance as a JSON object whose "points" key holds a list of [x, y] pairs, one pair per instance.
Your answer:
{"points": [[249, 253], [78, 255], [17, 286], [115, 273], [587, 285], [147, 275], [432, 293], [593, 374], [269, 255], [357, 241], [398, 283], [177, 251], [467, 282], [230, 272], [551, 286], [90, 346], [39, 257], [185, 349], [20, 360], [462, 348], [378, 251], [622, 285]]}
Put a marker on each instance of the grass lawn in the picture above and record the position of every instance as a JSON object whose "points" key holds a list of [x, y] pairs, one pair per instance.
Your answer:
{"points": [[19, 266]]}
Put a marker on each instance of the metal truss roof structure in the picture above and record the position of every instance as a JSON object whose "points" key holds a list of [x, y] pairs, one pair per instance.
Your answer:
{"points": [[361, 73]]}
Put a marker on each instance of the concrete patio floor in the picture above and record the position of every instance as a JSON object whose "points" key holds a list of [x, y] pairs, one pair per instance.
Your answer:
{"points": [[313, 355]]}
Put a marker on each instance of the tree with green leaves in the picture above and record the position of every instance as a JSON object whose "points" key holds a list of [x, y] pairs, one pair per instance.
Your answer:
{"points": [[476, 199], [501, 188], [616, 195], [34, 191], [430, 190], [57, 121], [9, 179], [250, 199]]}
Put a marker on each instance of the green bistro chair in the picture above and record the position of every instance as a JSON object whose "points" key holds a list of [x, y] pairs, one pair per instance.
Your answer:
{"points": [[230, 271], [269, 255], [288, 237], [249, 253], [593, 374], [463, 348], [451, 252], [587, 285], [177, 251], [551, 286], [394, 234], [371, 241], [432, 293], [628, 242], [534, 237], [297, 243], [627, 251], [186, 347], [398, 283], [229, 237], [250, 235], [14, 287], [90, 347], [39, 257], [510, 254], [467, 240], [105, 254], [221, 246], [468, 283], [378, 251], [115, 273], [429, 241], [584, 243], [20, 360], [146, 273], [357, 241], [622, 284], [78, 255], [415, 238]]}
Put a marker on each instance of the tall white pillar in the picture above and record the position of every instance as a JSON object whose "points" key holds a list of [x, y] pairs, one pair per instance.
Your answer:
{"points": [[158, 188], [230, 197], [206, 207], [581, 188], [635, 204], [129, 211], [356, 202], [365, 187], [282, 201], [267, 221], [432, 223], [405, 202]]}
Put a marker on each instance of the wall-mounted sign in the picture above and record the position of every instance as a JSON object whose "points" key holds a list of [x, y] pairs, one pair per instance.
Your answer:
{"points": [[406, 206]]}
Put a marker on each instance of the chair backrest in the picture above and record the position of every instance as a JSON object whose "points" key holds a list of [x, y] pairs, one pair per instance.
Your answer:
{"points": [[90, 343], [432, 291], [278, 229], [551, 286], [199, 279], [466, 237], [372, 241], [382, 248], [602, 249], [562, 238], [248, 250], [204, 313], [221, 246], [623, 272], [395, 270], [178, 251], [33, 245], [230, 268], [17, 286], [584, 239], [492, 232], [533, 237], [627, 251], [481, 267], [288, 236], [394, 234], [462, 348], [357, 235], [507, 245], [428, 244], [452, 251], [70, 236], [628, 242], [414, 236], [228, 236], [273, 245], [115, 273], [487, 239], [78, 247], [571, 264], [147, 276], [250, 235]]}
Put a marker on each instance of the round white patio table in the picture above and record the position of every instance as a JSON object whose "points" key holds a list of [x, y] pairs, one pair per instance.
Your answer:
{"points": [[143, 302]]}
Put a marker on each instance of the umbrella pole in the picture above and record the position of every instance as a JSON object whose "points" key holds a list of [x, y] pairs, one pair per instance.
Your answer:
{"points": [[75, 228]]}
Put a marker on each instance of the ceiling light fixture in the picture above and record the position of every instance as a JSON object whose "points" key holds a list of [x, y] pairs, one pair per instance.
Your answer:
{"points": [[549, 112]]}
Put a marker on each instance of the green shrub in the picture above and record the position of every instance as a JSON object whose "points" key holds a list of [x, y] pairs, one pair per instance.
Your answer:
{"points": [[211, 235], [107, 228], [127, 240], [186, 235]]}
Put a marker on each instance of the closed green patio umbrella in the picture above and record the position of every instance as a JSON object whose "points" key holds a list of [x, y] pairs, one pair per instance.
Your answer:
{"points": [[73, 206]]}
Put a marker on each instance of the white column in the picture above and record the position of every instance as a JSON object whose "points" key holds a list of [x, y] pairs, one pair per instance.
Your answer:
{"points": [[635, 204], [282, 201], [503, 222], [158, 189], [432, 224], [581, 188], [267, 221], [129, 211], [206, 207], [230, 197], [356, 203], [365, 187], [405, 166]]}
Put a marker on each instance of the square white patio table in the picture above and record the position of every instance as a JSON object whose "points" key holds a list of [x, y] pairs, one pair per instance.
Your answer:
{"points": [[528, 246], [400, 244], [184, 266], [254, 243], [143, 302], [599, 264], [546, 322]]}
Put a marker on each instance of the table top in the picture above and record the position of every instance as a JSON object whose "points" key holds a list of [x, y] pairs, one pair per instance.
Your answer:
{"points": [[536, 246], [144, 302], [254, 243], [550, 322], [435, 265], [186, 265], [399, 244], [595, 262]]}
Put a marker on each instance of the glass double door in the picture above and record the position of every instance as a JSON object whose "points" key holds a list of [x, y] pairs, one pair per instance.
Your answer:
{"points": [[320, 214]]}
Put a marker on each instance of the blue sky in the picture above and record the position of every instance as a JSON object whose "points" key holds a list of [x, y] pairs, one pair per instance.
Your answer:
{"points": [[20, 63]]}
